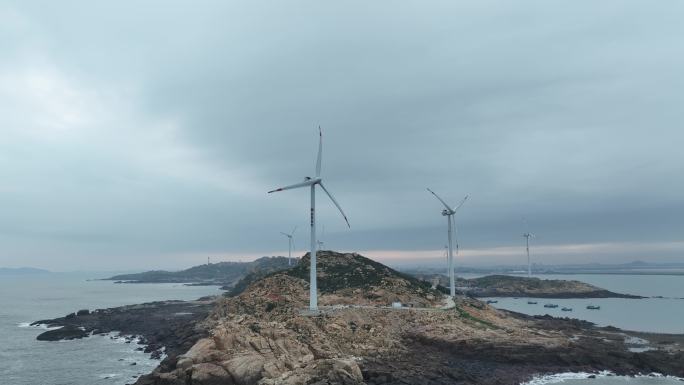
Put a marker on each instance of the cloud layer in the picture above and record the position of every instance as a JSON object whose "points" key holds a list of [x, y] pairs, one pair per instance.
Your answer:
{"points": [[146, 135]]}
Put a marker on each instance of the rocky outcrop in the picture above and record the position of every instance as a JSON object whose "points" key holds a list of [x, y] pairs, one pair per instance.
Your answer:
{"points": [[68, 332], [170, 327]]}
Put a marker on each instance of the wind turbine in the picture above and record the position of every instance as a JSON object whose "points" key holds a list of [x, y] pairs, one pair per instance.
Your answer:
{"points": [[319, 242], [449, 213], [290, 245], [527, 236], [312, 182]]}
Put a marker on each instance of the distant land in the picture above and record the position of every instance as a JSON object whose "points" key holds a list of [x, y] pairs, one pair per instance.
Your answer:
{"points": [[224, 274], [636, 267], [22, 271], [237, 276]]}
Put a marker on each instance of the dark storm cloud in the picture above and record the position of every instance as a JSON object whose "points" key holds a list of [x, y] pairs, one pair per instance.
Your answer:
{"points": [[147, 134]]}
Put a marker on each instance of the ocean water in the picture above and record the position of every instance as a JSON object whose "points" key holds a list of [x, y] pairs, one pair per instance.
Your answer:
{"points": [[94, 360], [653, 314]]}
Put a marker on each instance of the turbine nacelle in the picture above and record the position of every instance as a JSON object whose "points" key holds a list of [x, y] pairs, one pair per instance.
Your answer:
{"points": [[311, 180]]}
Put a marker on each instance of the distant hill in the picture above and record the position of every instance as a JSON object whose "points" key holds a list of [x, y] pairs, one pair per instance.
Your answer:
{"points": [[21, 271], [509, 286], [222, 273], [516, 286]]}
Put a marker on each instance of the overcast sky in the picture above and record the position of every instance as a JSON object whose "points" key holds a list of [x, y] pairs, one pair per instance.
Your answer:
{"points": [[145, 134]]}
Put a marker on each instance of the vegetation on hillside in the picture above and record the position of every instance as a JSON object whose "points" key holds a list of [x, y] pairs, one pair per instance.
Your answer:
{"points": [[222, 273]]}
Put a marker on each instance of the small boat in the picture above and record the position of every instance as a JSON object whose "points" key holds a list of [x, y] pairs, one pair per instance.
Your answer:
{"points": [[551, 305], [492, 301], [531, 302], [567, 309], [593, 307]]}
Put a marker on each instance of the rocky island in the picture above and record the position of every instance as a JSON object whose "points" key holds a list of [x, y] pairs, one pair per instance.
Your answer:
{"points": [[260, 335], [511, 286], [515, 286]]}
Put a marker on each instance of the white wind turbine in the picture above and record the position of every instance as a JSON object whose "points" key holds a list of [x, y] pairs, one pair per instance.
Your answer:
{"points": [[312, 182], [527, 236], [449, 213], [320, 242], [290, 245]]}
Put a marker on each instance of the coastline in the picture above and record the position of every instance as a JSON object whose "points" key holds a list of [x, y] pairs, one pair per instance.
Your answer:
{"points": [[473, 343], [501, 363]]}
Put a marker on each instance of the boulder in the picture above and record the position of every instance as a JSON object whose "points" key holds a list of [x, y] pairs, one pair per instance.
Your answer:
{"points": [[65, 333], [245, 370], [210, 374]]}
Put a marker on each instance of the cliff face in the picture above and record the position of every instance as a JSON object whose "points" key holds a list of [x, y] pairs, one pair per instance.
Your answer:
{"points": [[261, 336]]}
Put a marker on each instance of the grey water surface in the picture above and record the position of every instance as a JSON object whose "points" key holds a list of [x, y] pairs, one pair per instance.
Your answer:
{"points": [[94, 360], [652, 314]]}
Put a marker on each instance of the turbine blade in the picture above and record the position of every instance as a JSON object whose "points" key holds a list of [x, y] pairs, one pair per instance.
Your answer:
{"points": [[461, 204], [296, 185], [285, 234], [440, 199], [336, 204], [320, 152], [293, 231]]}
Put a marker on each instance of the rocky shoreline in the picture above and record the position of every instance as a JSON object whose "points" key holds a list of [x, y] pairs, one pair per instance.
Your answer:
{"points": [[430, 361], [163, 327]]}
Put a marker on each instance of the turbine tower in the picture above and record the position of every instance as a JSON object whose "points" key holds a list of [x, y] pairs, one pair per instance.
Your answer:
{"points": [[449, 213], [311, 183], [527, 236], [290, 245]]}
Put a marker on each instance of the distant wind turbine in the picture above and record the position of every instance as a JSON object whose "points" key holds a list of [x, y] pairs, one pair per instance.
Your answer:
{"points": [[319, 241], [312, 182], [290, 245], [527, 236], [449, 213]]}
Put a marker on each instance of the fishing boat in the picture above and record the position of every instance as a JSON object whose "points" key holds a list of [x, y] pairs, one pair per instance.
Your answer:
{"points": [[531, 302], [551, 305], [492, 301], [567, 309], [593, 307]]}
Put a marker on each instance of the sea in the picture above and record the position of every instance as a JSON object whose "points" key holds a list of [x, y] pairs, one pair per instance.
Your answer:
{"points": [[661, 311], [106, 360], [109, 360]]}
